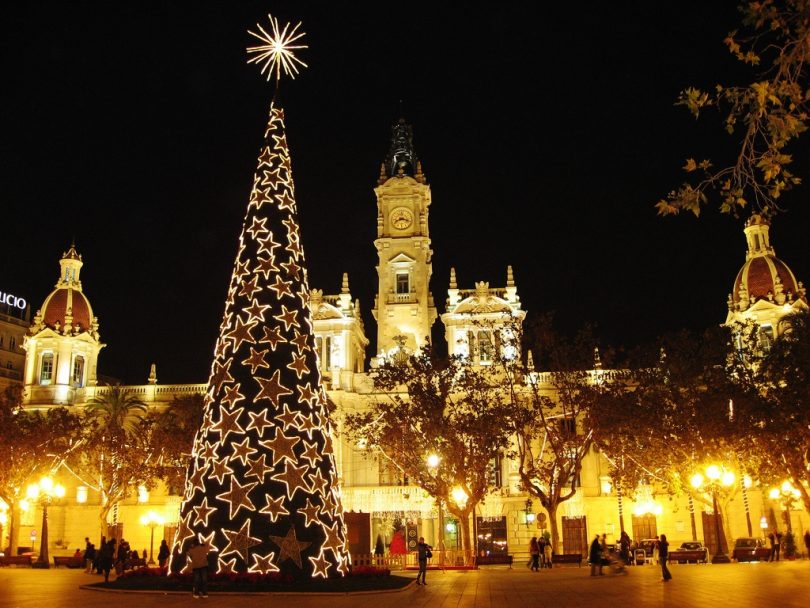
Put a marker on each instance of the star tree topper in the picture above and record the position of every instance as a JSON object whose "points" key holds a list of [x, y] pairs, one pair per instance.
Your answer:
{"points": [[277, 54]]}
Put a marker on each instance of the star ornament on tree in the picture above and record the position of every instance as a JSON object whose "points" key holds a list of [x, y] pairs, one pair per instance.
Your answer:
{"points": [[277, 53]]}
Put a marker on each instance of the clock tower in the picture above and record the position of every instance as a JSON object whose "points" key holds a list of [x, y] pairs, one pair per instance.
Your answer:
{"points": [[404, 307]]}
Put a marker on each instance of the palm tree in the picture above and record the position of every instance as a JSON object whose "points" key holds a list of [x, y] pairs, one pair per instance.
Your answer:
{"points": [[116, 455], [119, 410]]}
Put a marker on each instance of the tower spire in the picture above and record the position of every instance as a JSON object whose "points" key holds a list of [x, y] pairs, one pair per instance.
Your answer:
{"points": [[401, 158]]}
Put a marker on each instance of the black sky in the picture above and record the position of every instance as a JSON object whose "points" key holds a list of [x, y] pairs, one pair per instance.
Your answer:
{"points": [[546, 132]]}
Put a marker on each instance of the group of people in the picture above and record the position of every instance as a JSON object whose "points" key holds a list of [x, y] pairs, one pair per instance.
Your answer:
{"points": [[599, 555], [120, 556], [540, 553]]}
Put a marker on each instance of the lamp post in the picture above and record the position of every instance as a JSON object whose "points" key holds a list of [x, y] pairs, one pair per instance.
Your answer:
{"points": [[45, 492], [153, 520], [715, 480], [787, 494], [433, 461]]}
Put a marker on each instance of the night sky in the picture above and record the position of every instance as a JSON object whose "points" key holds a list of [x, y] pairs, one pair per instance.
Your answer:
{"points": [[546, 135]]}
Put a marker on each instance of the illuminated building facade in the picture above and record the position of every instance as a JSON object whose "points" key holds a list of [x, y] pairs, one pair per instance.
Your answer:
{"points": [[373, 493], [14, 321]]}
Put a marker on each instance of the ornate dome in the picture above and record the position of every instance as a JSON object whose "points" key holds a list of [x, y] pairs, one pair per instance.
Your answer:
{"points": [[763, 276], [67, 306], [67, 309]]}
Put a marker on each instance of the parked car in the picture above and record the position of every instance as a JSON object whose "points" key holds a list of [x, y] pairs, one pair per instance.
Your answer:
{"points": [[750, 550], [691, 551]]}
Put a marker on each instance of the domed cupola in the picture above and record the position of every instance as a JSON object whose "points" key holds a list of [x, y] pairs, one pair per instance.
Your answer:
{"points": [[63, 342], [765, 288], [67, 310]]}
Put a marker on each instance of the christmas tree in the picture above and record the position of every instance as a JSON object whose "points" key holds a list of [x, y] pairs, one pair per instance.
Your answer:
{"points": [[262, 487]]}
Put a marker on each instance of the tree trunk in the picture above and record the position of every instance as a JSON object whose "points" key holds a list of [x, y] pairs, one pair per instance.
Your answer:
{"points": [[13, 527], [102, 517], [555, 533]]}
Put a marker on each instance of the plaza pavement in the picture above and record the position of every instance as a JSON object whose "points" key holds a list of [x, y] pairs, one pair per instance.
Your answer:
{"points": [[776, 585]]}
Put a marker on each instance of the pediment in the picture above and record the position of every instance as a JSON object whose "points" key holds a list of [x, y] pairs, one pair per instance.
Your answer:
{"points": [[402, 258]]}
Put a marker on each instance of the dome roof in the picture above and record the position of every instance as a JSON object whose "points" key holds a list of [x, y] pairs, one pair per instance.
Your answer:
{"points": [[67, 305], [64, 302], [763, 276]]}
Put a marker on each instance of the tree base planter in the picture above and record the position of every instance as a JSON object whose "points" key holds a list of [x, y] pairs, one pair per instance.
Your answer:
{"points": [[152, 579]]}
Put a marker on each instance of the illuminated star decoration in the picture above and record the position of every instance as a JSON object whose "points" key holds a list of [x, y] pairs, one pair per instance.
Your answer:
{"points": [[277, 53], [262, 484]]}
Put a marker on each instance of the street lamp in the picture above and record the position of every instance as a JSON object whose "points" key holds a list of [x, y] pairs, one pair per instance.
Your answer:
{"points": [[433, 461], [788, 494], [715, 480], [153, 520], [530, 516], [45, 492]]}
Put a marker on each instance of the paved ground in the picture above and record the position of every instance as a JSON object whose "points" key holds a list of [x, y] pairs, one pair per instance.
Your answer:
{"points": [[777, 585]]}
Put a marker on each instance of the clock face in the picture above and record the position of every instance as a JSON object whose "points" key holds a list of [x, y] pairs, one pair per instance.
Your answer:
{"points": [[401, 218]]}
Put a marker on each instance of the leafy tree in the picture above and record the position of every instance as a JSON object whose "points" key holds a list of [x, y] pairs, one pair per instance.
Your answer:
{"points": [[779, 422], [116, 453], [672, 415], [550, 412], [172, 436], [442, 406], [34, 442], [767, 116]]}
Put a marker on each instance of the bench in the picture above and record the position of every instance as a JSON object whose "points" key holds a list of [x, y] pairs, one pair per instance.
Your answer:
{"points": [[567, 558], [486, 560], [15, 560], [69, 561]]}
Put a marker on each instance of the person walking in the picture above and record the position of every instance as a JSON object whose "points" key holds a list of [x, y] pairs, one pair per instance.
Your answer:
{"points": [[624, 547], [663, 556], [423, 552], [197, 557], [777, 544], [534, 551], [595, 556]]}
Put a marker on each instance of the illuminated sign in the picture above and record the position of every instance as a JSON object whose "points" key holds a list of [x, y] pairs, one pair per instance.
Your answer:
{"points": [[12, 300]]}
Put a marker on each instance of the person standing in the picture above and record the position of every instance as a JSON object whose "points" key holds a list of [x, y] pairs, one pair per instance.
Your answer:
{"points": [[163, 553], [423, 552], [772, 540], [624, 547], [106, 558], [197, 557], [534, 551], [548, 552], [777, 544], [541, 544], [595, 556], [89, 557], [663, 556], [807, 542]]}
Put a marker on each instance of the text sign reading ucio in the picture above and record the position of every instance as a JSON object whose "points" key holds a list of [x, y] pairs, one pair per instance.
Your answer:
{"points": [[12, 300]]}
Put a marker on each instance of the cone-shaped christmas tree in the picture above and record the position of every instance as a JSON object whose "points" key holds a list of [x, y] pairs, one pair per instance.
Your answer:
{"points": [[262, 484]]}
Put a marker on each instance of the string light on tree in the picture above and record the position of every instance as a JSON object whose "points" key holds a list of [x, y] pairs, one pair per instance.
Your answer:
{"points": [[262, 484]]}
